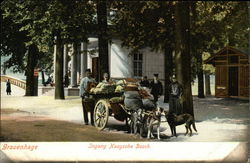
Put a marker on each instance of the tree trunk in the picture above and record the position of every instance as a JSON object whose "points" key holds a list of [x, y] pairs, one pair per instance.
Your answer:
{"points": [[197, 54], [43, 78], [200, 84], [31, 64], [182, 54], [168, 65], [168, 11], [200, 77], [207, 84], [102, 38], [248, 6], [59, 90]]}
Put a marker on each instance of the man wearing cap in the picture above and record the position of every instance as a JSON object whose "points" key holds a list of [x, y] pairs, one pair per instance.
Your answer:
{"points": [[156, 88], [176, 91], [84, 94]]}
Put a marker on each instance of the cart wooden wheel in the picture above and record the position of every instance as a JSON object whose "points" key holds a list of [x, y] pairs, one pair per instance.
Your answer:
{"points": [[101, 114]]}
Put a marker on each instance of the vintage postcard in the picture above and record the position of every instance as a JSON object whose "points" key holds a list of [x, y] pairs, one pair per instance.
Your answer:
{"points": [[130, 81]]}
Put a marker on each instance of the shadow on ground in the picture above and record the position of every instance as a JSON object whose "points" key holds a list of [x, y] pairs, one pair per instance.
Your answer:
{"points": [[220, 108]]}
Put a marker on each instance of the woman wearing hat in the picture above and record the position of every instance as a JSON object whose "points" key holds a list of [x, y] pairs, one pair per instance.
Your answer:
{"points": [[156, 88]]}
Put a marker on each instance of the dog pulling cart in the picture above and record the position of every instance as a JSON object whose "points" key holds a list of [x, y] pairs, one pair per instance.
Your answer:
{"points": [[102, 107], [106, 103]]}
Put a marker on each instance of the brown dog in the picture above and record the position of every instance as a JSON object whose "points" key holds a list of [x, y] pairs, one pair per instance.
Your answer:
{"points": [[174, 120]]}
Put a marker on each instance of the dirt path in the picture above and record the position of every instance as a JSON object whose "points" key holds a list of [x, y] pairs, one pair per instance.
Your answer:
{"points": [[24, 127]]}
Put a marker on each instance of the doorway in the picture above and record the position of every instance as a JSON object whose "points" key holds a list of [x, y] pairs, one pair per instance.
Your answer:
{"points": [[233, 81]]}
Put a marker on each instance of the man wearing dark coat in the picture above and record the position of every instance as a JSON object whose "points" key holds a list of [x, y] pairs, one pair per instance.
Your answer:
{"points": [[66, 80], [156, 88], [144, 82], [8, 87], [176, 91]]}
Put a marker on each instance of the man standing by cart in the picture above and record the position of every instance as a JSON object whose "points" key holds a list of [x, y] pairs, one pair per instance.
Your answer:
{"points": [[176, 92], [144, 82], [156, 88], [84, 94]]}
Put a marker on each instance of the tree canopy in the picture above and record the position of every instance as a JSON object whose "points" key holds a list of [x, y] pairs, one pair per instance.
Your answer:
{"points": [[37, 22], [137, 24]]}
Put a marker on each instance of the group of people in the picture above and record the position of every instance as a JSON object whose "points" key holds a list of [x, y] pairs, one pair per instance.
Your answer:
{"points": [[175, 91], [155, 85], [51, 82]]}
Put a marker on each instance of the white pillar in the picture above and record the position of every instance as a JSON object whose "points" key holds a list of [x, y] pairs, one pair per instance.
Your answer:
{"points": [[54, 66], [65, 59], [78, 64], [73, 81]]}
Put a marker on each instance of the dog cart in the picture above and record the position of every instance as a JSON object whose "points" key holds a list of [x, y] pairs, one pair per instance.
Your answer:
{"points": [[105, 107]]}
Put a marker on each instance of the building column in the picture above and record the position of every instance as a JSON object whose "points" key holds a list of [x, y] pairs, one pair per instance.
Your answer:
{"points": [[73, 81], [84, 53], [65, 59], [54, 65], [78, 64]]}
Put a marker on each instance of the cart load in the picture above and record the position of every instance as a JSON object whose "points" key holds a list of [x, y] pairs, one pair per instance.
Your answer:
{"points": [[118, 99], [107, 88], [148, 104], [132, 100]]}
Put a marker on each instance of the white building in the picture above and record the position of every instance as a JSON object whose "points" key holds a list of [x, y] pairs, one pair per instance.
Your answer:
{"points": [[126, 65]]}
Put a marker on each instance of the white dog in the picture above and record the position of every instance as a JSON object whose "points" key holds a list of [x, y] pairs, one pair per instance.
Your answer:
{"points": [[154, 119]]}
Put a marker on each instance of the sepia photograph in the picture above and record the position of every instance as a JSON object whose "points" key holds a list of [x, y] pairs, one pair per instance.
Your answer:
{"points": [[124, 81]]}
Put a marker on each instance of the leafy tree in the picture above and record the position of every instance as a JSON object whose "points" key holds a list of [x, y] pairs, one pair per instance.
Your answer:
{"points": [[213, 25], [13, 44], [236, 25], [45, 20]]}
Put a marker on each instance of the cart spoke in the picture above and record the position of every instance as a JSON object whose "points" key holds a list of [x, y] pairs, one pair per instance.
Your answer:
{"points": [[103, 114], [99, 121], [103, 121]]}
